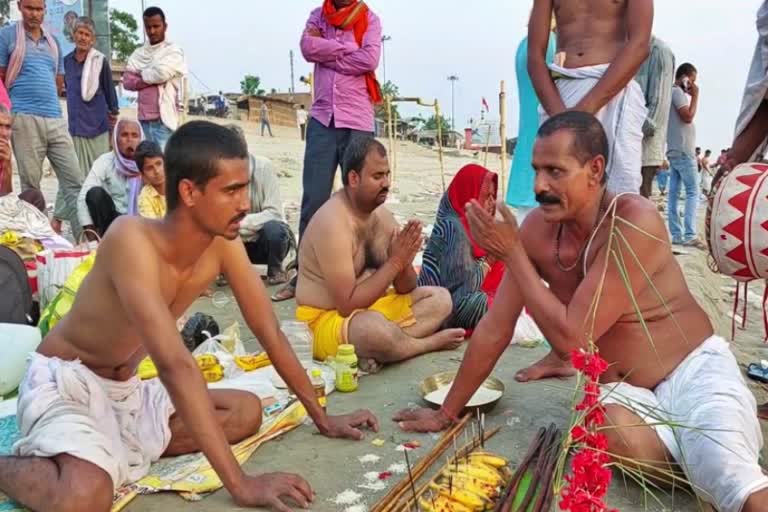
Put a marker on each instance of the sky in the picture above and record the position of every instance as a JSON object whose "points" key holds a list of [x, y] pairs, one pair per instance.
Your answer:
{"points": [[432, 39]]}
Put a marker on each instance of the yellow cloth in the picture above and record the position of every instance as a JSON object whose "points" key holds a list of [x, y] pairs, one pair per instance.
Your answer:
{"points": [[330, 329], [151, 203]]}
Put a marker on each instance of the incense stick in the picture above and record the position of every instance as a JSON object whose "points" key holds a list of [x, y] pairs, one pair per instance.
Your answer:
{"points": [[410, 477]]}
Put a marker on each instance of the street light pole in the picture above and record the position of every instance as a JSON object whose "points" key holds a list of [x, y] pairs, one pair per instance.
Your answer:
{"points": [[384, 40], [453, 79]]}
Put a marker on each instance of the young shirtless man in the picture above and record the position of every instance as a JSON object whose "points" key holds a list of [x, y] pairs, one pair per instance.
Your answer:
{"points": [[685, 375], [356, 282], [88, 425], [604, 43]]}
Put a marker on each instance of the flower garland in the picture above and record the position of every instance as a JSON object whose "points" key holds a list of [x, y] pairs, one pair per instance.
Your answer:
{"points": [[590, 477]]}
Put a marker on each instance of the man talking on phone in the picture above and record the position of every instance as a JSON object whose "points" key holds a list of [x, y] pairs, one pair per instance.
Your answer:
{"points": [[681, 153]]}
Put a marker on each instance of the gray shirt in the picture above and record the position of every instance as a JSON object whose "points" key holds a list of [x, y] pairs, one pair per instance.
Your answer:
{"points": [[656, 77], [266, 205], [681, 136]]}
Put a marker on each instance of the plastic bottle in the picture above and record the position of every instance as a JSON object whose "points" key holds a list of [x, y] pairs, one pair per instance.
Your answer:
{"points": [[319, 384], [346, 369]]}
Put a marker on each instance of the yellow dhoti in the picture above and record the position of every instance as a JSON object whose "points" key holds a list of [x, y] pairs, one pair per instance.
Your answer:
{"points": [[330, 329]]}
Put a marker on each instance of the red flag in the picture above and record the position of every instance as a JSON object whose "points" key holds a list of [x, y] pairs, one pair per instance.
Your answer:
{"points": [[485, 104]]}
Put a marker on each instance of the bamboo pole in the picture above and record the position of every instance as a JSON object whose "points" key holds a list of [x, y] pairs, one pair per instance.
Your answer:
{"points": [[394, 150], [503, 135], [389, 133], [440, 142], [386, 503]]}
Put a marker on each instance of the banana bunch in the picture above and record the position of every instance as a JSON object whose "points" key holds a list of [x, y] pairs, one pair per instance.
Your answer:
{"points": [[472, 485], [211, 367], [253, 362]]}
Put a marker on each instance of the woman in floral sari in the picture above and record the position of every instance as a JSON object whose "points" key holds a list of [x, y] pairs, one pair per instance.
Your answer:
{"points": [[452, 259]]}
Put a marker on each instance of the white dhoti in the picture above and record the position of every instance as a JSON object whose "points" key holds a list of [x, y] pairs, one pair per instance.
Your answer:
{"points": [[622, 118], [65, 408], [706, 416]]}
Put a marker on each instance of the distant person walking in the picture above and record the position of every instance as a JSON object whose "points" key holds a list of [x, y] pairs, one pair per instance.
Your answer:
{"points": [[301, 121], [156, 71], [681, 153], [32, 68], [655, 77], [91, 97], [264, 115], [343, 40]]}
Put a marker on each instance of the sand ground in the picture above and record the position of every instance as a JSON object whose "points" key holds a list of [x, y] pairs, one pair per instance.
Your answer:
{"points": [[332, 466]]}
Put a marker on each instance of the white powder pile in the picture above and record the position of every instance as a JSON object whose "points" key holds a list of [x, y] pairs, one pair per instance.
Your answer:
{"points": [[371, 477], [348, 497], [398, 468], [481, 397], [375, 486], [369, 459], [356, 508]]}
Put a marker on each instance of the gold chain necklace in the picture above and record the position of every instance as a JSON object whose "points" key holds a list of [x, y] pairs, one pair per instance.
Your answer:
{"points": [[569, 268]]}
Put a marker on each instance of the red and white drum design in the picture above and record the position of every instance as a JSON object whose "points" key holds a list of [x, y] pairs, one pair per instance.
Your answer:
{"points": [[737, 222]]}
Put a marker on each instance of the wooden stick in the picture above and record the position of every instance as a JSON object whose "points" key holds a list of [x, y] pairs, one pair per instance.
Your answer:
{"points": [[464, 451], [487, 146], [533, 450], [389, 133], [440, 143], [544, 499], [387, 502], [552, 434], [503, 134], [410, 474]]}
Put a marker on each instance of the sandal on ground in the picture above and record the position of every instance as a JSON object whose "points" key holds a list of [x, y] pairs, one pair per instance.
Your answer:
{"points": [[758, 372], [696, 244], [287, 292], [278, 278]]}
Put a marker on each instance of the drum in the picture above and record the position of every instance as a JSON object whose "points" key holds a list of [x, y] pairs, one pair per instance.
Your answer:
{"points": [[737, 223]]}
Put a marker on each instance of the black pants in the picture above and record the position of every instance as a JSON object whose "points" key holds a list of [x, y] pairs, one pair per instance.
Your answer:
{"points": [[324, 152], [102, 209], [649, 175], [271, 248], [303, 130]]}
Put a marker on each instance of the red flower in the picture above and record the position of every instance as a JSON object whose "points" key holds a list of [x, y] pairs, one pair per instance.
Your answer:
{"points": [[385, 475], [590, 364]]}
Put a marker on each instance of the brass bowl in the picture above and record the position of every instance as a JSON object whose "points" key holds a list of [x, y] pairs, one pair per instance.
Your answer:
{"points": [[444, 379]]}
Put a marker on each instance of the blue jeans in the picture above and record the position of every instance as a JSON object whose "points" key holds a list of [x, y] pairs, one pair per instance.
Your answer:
{"points": [[157, 132], [662, 178], [683, 169]]}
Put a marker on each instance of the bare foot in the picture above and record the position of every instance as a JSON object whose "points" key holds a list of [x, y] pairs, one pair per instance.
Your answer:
{"points": [[56, 225], [449, 339], [370, 366], [550, 366]]}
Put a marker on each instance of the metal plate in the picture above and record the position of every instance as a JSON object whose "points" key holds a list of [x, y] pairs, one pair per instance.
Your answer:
{"points": [[444, 379]]}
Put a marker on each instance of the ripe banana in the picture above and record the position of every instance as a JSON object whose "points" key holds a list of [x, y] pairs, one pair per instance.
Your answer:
{"points": [[475, 485], [442, 504], [206, 361], [480, 471], [253, 362], [489, 459], [463, 496], [214, 374]]}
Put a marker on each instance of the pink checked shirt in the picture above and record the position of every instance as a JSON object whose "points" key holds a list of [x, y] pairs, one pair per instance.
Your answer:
{"points": [[340, 66]]}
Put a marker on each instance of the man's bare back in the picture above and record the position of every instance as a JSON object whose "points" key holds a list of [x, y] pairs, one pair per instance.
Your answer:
{"points": [[97, 330], [590, 32], [676, 325], [365, 239]]}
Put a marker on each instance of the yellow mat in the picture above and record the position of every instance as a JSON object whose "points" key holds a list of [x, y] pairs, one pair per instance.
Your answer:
{"points": [[191, 475]]}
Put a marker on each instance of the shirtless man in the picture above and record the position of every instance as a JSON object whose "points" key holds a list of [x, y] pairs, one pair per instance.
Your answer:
{"points": [[683, 374], [604, 43], [352, 255], [88, 424]]}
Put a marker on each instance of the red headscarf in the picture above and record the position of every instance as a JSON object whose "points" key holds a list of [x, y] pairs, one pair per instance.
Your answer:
{"points": [[465, 187], [354, 17]]}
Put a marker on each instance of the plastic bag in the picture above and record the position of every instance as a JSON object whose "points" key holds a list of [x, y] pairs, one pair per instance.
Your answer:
{"points": [[225, 347], [193, 332], [63, 301], [527, 332]]}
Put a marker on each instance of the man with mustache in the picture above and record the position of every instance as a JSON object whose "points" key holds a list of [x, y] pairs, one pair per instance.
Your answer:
{"points": [[356, 280], [112, 187], [88, 424], [673, 391], [343, 40], [32, 69]]}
